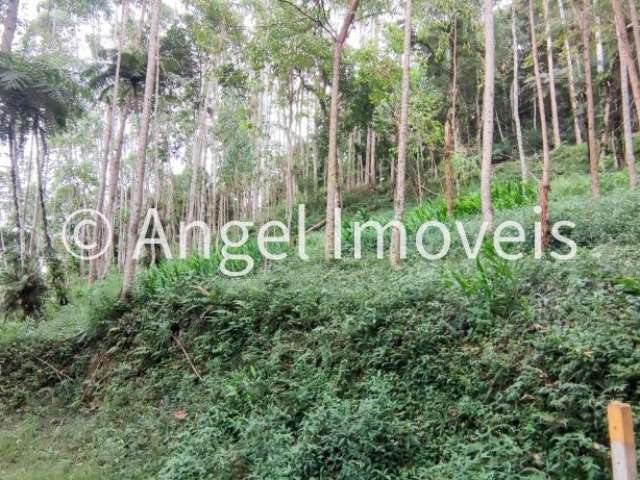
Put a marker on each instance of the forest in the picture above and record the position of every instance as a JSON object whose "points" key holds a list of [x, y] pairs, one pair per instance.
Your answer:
{"points": [[317, 239]]}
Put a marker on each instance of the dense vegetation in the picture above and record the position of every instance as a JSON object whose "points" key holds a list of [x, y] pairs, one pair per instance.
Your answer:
{"points": [[485, 369], [465, 112]]}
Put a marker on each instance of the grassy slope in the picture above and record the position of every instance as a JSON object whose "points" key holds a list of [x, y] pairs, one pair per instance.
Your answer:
{"points": [[351, 371]]}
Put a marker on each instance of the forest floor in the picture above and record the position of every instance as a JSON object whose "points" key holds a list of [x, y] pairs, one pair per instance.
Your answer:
{"points": [[465, 369]]}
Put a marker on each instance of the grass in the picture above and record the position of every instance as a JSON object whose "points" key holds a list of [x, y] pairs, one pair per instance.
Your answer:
{"points": [[37, 448]]}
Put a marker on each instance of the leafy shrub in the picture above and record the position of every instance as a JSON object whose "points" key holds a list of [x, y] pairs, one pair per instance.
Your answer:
{"points": [[505, 194], [22, 288], [168, 273]]}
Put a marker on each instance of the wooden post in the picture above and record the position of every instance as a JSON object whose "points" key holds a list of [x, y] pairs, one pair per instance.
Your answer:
{"points": [[623, 445]]}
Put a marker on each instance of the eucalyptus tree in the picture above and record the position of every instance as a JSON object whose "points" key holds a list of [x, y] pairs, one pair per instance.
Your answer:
{"points": [[397, 252], [624, 47], [629, 149], [487, 113], [515, 95], [332, 160], [594, 154], [107, 154], [633, 13], [10, 25], [573, 95], [546, 157], [291, 51], [139, 181], [555, 121]]}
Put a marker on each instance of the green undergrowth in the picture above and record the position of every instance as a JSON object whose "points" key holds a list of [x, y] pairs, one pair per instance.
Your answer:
{"points": [[485, 370], [462, 369]]}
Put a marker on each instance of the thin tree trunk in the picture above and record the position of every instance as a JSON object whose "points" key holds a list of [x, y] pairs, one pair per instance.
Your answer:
{"points": [[515, 96], [573, 96], [555, 122], [139, 182], [546, 163], [403, 133], [478, 116], [197, 160], [449, 127], [633, 13], [56, 272], [16, 192], [106, 147], [487, 114], [373, 158], [32, 250], [629, 153], [3, 249], [290, 152], [599, 45], [594, 157], [140, 27], [10, 25], [114, 177], [33, 239], [332, 160], [499, 125], [606, 118], [625, 50], [419, 160]]}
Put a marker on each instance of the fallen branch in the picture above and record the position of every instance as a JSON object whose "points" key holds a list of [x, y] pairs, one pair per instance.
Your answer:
{"points": [[186, 354], [317, 226], [56, 371]]}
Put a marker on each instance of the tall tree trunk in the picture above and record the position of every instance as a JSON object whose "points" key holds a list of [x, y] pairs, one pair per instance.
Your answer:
{"points": [[573, 95], [449, 127], [56, 272], [625, 49], [140, 27], [373, 157], [629, 153], [367, 158], [546, 159], [599, 45], [197, 166], [403, 133], [633, 13], [16, 191], [32, 250], [3, 249], [487, 114], [606, 118], [594, 156], [290, 151], [139, 181], [515, 96], [10, 25], [107, 144], [555, 122], [114, 177], [332, 160]]}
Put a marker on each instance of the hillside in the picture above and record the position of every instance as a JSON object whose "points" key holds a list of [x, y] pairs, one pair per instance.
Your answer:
{"points": [[458, 369]]}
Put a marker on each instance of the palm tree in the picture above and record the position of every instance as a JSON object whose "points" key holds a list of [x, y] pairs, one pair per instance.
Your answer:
{"points": [[35, 98]]}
